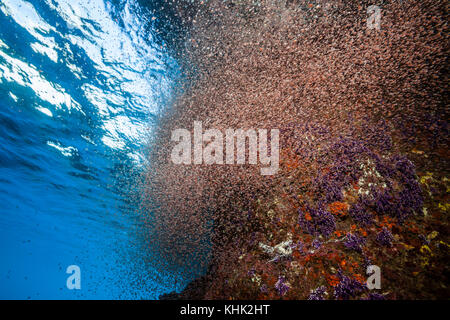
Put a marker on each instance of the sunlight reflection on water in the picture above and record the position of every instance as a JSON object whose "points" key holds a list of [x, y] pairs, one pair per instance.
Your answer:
{"points": [[81, 83]]}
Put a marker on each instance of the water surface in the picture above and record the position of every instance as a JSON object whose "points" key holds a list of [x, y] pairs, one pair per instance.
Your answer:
{"points": [[81, 84]]}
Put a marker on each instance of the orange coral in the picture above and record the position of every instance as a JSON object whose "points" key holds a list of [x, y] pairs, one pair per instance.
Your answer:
{"points": [[332, 280], [339, 233], [289, 159], [387, 222], [338, 208], [359, 278], [363, 232]]}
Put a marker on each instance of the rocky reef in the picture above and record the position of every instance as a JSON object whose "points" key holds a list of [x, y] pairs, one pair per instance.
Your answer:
{"points": [[363, 177]]}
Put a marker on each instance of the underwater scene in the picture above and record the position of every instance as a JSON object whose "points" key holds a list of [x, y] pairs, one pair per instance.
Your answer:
{"points": [[224, 150]]}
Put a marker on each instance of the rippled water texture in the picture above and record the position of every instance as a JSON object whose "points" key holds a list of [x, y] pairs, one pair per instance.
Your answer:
{"points": [[81, 83]]}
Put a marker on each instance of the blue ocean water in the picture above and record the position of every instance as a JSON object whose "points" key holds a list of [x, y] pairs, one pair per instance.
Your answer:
{"points": [[81, 84]]}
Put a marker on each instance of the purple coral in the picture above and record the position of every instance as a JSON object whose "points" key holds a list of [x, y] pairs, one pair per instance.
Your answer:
{"points": [[347, 287], [264, 289], [376, 296], [354, 242], [281, 286], [322, 222], [318, 294], [316, 244], [360, 213], [385, 238], [410, 199]]}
